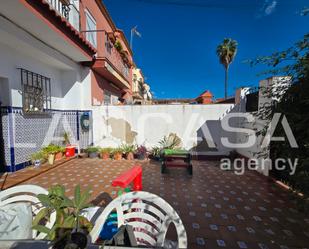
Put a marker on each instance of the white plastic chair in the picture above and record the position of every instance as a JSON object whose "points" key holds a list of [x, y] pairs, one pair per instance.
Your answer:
{"points": [[27, 194], [148, 214]]}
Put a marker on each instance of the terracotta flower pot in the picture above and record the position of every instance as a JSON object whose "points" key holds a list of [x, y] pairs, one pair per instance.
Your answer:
{"points": [[58, 156], [130, 156], [118, 156], [105, 155]]}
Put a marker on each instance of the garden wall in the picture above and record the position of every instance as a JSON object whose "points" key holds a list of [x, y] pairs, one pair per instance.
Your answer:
{"points": [[147, 124]]}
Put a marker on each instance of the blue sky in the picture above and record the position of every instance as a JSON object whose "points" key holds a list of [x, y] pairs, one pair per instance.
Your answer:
{"points": [[177, 51]]}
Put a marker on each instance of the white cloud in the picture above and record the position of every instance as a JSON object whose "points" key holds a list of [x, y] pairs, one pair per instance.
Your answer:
{"points": [[270, 7]]}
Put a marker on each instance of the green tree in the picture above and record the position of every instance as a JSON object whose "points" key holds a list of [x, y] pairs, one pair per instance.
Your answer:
{"points": [[226, 52], [294, 104]]}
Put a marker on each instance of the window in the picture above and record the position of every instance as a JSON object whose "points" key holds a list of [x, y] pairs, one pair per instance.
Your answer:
{"points": [[36, 92], [92, 26]]}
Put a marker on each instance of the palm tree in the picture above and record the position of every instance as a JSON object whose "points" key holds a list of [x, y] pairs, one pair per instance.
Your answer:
{"points": [[226, 52]]}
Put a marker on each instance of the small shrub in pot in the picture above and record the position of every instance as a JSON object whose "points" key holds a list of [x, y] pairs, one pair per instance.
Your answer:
{"points": [[51, 150], [106, 153], [141, 152], [155, 153], [128, 150], [59, 154], [38, 158], [93, 152], [117, 153], [70, 226]]}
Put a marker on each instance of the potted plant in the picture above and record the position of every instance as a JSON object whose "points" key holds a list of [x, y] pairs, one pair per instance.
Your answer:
{"points": [[141, 152], [172, 141], [51, 150], [37, 158], [59, 152], [117, 153], [128, 150], [70, 227], [118, 46], [93, 152], [155, 153], [105, 153]]}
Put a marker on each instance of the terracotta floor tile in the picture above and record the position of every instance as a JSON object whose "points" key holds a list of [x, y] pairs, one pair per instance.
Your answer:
{"points": [[219, 209]]}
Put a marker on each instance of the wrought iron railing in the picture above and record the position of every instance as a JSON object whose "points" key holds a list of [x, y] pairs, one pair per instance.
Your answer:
{"points": [[68, 10], [114, 56]]}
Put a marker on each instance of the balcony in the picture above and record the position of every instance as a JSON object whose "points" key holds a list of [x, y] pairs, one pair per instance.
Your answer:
{"points": [[116, 59], [113, 64], [39, 21], [67, 10]]}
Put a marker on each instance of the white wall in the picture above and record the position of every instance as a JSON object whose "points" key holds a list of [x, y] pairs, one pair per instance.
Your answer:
{"points": [[18, 49], [114, 125], [66, 87]]}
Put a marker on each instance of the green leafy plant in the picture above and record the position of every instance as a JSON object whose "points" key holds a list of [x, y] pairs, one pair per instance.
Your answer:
{"points": [[106, 150], [294, 104], [92, 149], [117, 153], [118, 150], [171, 141], [106, 153], [68, 212], [37, 156], [118, 46], [62, 149], [52, 149], [127, 148], [155, 152], [66, 138]]}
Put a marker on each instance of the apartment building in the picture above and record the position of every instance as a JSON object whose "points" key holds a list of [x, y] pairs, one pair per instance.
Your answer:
{"points": [[58, 59], [111, 76], [140, 89]]}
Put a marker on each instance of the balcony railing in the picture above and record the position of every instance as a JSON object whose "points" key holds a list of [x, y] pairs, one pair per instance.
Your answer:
{"points": [[114, 56], [68, 10]]}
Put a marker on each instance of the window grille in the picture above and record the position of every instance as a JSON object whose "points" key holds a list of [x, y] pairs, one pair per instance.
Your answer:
{"points": [[36, 92]]}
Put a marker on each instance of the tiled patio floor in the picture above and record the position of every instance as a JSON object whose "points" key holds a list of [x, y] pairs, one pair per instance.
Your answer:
{"points": [[219, 209]]}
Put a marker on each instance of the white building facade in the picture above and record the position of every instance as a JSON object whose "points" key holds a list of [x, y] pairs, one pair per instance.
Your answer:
{"points": [[44, 87]]}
